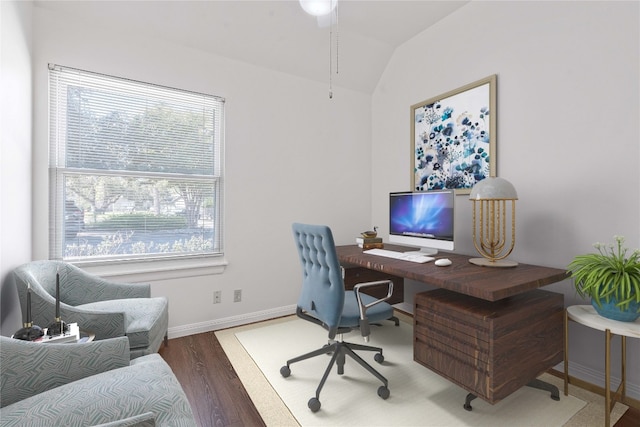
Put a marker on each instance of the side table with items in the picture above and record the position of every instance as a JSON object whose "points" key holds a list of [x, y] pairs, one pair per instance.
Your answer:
{"points": [[587, 316], [72, 334]]}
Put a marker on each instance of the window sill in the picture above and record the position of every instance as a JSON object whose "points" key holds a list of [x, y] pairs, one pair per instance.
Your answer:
{"points": [[157, 269]]}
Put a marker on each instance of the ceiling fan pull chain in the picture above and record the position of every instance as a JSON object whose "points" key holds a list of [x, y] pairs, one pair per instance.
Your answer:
{"points": [[331, 23], [330, 62]]}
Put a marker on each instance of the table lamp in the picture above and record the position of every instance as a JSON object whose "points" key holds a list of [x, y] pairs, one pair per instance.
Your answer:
{"points": [[490, 217]]}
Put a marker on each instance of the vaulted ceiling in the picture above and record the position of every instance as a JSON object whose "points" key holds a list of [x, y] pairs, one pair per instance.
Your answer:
{"points": [[277, 35]]}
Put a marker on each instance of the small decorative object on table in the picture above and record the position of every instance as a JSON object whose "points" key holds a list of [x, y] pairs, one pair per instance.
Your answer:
{"points": [[370, 233], [611, 279], [370, 240], [71, 334], [29, 331]]}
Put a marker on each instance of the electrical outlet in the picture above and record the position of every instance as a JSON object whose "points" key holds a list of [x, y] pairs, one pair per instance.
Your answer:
{"points": [[237, 295], [217, 297]]}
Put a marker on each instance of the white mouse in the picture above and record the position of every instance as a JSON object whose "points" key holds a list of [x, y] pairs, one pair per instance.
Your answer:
{"points": [[442, 262]]}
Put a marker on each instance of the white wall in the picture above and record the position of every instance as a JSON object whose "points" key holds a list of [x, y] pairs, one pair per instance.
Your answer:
{"points": [[291, 155], [568, 130], [15, 154]]}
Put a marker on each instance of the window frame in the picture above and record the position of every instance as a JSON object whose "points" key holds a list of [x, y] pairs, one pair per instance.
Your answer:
{"points": [[172, 264]]}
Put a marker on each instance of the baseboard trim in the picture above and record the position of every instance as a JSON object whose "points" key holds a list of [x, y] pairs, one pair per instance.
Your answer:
{"points": [[230, 322], [595, 379]]}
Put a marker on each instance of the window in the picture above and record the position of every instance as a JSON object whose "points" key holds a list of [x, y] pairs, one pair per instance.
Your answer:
{"points": [[135, 169]]}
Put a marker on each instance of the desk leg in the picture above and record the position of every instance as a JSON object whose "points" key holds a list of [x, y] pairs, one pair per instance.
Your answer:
{"points": [[535, 383], [623, 373], [566, 352], [542, 385], [607, 378], [467, 401]]}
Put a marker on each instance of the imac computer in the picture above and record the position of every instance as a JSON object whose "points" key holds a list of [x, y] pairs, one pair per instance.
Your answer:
{"points": [[422, 219]]}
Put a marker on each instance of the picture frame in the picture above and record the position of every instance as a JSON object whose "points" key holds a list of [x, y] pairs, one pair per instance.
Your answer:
{"points": [[453, 138]]}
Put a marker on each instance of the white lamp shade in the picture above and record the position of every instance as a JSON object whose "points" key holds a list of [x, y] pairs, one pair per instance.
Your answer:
{"points": [[318, 7], [493, 188]]}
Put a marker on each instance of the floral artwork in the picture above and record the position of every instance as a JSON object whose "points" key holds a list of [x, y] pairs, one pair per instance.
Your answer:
{"points": [[454, 138]]}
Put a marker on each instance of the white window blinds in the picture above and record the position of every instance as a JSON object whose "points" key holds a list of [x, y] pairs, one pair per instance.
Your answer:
{"points": [[136, 169]]}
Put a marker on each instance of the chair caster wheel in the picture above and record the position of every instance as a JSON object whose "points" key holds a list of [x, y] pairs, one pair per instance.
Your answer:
{"points": [[378, 358], [285, 371], [314, 404], [383, 392]]}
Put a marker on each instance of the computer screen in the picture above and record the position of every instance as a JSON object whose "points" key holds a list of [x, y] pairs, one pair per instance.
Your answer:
{"points": [[423, 219]]}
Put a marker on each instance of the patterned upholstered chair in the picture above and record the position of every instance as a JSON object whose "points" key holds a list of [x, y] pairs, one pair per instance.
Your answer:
{"points": [[86, 385], [104, 308]]}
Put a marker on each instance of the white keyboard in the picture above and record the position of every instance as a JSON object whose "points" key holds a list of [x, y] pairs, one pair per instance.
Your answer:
{"points": [[413, 257]]}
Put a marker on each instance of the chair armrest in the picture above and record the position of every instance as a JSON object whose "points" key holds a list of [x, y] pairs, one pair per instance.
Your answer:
{"points": [[103, 324], [364, 321], [30, 368]]}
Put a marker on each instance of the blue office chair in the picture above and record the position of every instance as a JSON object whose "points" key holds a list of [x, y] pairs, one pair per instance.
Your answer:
{"points": [[325, 302]]}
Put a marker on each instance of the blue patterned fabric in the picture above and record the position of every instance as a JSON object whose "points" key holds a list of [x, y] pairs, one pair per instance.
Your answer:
{"points": [[143, 317], [143, 420], [87, 384], [107, 309], [31, 368]]}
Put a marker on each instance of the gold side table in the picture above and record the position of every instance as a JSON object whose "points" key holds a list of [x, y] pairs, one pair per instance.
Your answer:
{"points": [[587, 315]]}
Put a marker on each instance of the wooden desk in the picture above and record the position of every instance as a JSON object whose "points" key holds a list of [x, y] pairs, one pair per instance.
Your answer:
{"points": [[491, 284], [489, 330]]}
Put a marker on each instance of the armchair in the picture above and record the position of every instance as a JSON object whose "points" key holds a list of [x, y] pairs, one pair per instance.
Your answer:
{"points": [[324, 301], [107, 309], [87, 384]]}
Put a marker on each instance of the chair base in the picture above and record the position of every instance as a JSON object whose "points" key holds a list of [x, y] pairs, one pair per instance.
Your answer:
{"points": [[339, 351]]}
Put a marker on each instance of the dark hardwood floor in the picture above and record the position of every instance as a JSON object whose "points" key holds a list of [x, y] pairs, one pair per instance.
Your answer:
{"points": [[631, 418], [216, 394]]}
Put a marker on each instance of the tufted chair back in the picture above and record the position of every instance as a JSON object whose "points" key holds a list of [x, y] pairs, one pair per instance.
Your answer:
{"points": [[322, 292]]}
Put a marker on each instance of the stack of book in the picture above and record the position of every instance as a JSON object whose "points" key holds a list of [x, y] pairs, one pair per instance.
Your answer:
{"points": [[369, 243], [72, 335]]}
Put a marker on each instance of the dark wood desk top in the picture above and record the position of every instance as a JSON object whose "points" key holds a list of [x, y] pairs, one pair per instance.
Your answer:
{"points": [[488, 283]]}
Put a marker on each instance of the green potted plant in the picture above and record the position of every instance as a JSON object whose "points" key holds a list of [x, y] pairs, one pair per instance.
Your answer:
{"points": [[611, 278]]}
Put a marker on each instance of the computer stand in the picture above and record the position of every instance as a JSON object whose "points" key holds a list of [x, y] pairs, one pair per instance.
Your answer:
{"points": [[424, 251]]}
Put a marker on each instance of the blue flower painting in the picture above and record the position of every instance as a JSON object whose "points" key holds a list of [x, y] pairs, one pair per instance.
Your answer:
{"points": [[452, 140]]}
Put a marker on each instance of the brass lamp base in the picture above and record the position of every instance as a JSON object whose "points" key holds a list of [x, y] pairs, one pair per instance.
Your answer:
{"points": [[484, 262]]}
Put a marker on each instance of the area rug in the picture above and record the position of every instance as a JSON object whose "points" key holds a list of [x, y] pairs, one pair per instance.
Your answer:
{"points": [[418, 397]]}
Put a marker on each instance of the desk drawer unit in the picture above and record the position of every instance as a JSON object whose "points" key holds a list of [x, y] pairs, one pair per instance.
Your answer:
{"points": [[490, 349]]}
